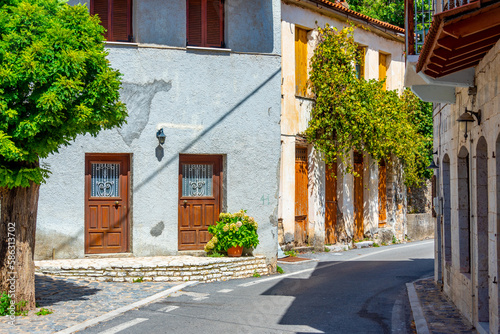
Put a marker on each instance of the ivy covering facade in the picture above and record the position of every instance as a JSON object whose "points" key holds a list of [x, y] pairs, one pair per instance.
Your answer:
{"points": [[358, 114]]}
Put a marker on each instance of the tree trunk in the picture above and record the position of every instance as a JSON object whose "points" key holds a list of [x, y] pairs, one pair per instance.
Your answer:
{"points": [[18, 209]]}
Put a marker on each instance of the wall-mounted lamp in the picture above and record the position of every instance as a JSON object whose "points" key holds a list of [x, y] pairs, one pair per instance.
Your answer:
{"points": [[433, 165], [466, 117], [161, 136]]}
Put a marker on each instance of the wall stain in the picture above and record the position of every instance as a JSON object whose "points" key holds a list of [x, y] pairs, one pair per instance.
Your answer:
{"points": [[157, 230], [138, 99]]}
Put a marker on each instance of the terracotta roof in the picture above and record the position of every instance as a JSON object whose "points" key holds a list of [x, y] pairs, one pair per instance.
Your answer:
{"points": [[339, 7]]}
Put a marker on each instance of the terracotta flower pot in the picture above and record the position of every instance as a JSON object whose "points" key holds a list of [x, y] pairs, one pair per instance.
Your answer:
{"points": [[235, 251]]}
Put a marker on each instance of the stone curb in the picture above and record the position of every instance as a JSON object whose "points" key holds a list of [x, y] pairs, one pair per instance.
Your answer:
{"points": [[126, 308], [416, 309]]}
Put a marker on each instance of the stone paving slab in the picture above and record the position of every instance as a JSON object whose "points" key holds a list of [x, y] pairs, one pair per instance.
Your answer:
{"points": [[75, 300], [440, 313]]}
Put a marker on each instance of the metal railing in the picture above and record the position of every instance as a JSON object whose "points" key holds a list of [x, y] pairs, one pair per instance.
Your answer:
{"points": [[424, 10]]}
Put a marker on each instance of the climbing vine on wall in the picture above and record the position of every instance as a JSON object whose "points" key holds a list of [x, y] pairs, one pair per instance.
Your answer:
{"points": [[355, 114]]}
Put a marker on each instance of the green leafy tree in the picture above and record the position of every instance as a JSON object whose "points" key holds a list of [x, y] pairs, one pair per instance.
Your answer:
{"points": [[355, 114], [390, 11], [55, 84]]}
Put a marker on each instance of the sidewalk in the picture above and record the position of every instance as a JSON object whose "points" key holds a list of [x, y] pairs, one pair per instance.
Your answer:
{"points": [[75, 300], [433, 312]]}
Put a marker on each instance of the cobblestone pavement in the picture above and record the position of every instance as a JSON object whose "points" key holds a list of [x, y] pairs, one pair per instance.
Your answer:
{"points": [[440, 313], [74, 301]]}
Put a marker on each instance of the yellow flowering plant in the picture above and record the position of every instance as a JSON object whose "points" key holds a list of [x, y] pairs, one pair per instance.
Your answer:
{"points": [[232, 229]]}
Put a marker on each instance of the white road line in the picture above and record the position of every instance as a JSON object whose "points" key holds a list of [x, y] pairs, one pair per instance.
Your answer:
{"points": [[225, 290], [168, 308], [200, 298], [126, 308], [123, 326], [331, 264]]}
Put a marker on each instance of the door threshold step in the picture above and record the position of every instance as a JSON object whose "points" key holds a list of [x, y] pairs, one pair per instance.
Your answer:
{"points": [[108, 255]]}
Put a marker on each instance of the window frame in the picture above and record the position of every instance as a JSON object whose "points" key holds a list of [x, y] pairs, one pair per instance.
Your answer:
{"points": [[109, 28], [204, 26]]}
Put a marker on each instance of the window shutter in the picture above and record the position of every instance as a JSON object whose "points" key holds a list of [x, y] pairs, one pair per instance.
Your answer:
{"points": [[100, 8], [214, 23], [120, 20], [194, 24]]}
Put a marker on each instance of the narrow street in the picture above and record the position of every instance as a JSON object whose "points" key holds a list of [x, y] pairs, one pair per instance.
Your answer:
{"points": [[357, 291]]}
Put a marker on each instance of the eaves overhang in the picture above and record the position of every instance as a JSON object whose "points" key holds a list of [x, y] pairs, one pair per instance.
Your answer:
{"points": [[459, 38]]}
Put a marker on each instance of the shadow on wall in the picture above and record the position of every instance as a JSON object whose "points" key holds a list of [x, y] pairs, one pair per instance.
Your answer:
{"points": [[62, 245], [334, 294], [206, 131]]}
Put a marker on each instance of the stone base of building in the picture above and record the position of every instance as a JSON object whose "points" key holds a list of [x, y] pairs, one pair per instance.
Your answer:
{"points": [[159, 269]]}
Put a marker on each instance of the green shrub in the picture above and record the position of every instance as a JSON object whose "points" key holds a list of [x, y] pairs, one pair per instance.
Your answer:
{"points": [[232, 230], [256, 274], [138, 280], [44, 311], [291, 253], [4, 304], [279, 270], [376, 245]]}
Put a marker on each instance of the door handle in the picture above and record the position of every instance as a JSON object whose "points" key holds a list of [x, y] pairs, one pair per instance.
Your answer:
{"points": [[117, 204], [185, 203]]}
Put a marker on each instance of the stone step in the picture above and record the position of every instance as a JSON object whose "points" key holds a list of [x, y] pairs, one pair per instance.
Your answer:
{"points": [[363, 244]]}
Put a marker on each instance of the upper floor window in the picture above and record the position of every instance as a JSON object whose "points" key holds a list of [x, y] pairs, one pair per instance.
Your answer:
{"points": [[382, 68], [205, 23], [301, 61], [116, 17], [360, 64]]}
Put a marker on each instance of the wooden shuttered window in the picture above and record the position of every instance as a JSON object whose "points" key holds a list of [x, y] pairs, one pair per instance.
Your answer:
{"points": [[382, 68], [205, 23], [116, 17], [300, 62]]}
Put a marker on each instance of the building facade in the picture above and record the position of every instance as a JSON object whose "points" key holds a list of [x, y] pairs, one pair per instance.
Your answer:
{"points": [[205, 76], [321, 205], [457, 67]]}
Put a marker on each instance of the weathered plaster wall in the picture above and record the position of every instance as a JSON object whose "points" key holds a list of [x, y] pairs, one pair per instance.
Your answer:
{"points": [[207, 102], [296, 113], [449, 139]]}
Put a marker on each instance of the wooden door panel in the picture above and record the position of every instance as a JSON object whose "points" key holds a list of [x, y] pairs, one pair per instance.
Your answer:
{"points": [[197, 215], [301, 195], [200, 191], [107, 201], [382, 194], [331, 204], [358, 197]]}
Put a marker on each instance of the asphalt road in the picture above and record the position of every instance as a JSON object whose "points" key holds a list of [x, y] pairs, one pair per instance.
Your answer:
{"points": [[357, 291]]}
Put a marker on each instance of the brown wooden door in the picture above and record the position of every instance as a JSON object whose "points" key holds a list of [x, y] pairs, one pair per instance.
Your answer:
{"points": [[107, 203], [301, 195], [382, 194], [331, 204], [200, 190], [358, 197]]}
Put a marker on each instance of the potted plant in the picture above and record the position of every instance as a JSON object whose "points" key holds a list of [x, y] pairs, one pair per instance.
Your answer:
{"points": [[231, 233]]}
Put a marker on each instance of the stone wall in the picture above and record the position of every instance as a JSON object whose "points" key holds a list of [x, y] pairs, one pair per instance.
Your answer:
{"points": [[162, 269], [420, 226], [420, 198]]}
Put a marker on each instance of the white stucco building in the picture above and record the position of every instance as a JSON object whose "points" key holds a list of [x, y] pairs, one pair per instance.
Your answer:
{"points": [[207, 74], [315, 208]]}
